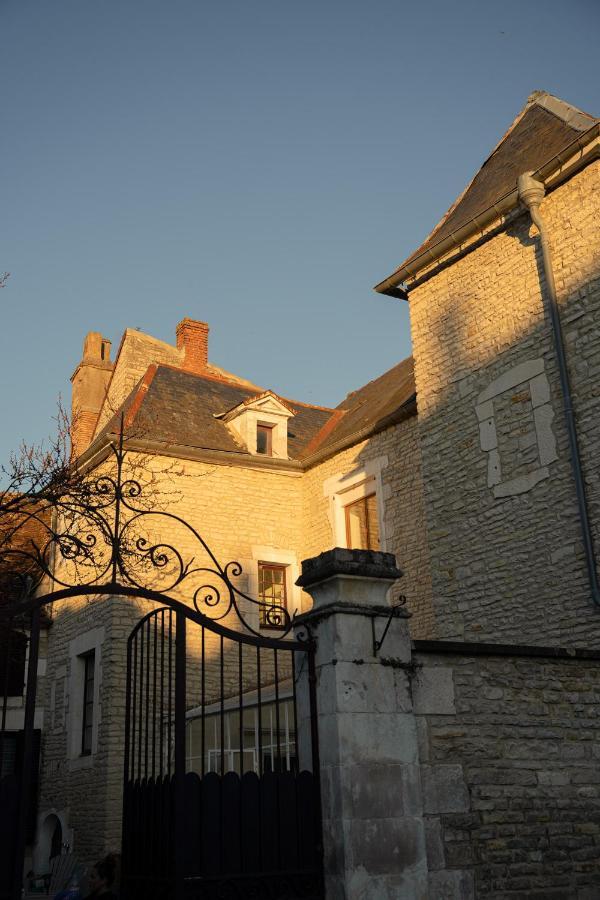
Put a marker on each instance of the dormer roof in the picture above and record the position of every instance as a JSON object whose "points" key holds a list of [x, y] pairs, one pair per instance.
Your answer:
{"points": [[269, 401]]}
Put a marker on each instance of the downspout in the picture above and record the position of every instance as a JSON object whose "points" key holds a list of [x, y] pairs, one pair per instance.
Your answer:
{"points": [[531, 192]]}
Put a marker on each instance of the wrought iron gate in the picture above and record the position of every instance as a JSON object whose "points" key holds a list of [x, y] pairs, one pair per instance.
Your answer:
{"points": [[19, 749], [221, 793]]}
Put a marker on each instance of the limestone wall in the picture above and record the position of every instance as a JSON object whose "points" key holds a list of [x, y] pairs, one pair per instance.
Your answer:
{"points": [[504, 537], [397, 449], [75, 789], [509, 755]]}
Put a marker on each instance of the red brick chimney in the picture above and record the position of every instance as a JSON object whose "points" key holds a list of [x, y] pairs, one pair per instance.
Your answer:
{"points": [[192, 338]]}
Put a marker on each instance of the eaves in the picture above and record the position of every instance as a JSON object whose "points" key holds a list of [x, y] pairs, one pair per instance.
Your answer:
{"points": [[564, 165]]}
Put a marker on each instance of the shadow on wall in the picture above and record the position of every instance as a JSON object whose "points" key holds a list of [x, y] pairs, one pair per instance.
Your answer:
{"points": [[504, 535]]}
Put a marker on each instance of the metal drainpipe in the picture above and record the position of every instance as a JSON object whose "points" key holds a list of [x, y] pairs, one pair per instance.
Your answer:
{"points": [[531, 193]]}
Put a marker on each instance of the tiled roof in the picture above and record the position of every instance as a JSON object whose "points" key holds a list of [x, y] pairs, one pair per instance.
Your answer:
{"points": [[170, 405], [373, 406], [544, 128], [179, 407]]}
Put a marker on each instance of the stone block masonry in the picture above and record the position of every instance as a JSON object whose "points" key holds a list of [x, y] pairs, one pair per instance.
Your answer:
{"points": [[373, 834], [449, 770], [404, 526], [504, 537], [509, 751]]}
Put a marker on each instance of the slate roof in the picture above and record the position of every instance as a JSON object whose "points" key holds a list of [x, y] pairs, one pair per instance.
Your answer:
{"points": [[177, 407], [545, 127], [375, 405]]}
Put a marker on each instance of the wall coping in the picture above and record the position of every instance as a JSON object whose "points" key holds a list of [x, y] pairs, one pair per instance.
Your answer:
{"points": [[354, 563], [472, 648], [342, 609]]}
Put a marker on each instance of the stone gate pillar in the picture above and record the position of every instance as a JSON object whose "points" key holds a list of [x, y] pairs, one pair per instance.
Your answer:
{"points": [[373, 832]]}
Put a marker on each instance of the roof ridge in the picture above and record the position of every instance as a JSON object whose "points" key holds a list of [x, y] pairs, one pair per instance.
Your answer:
{"points": [[140, 392], [251, 390], [210, 376], [568, 113], [530, 102], [323, 432], [573, 127]]}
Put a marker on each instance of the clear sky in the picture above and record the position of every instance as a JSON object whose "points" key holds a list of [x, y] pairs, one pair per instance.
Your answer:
{"points": [[258, 164]]}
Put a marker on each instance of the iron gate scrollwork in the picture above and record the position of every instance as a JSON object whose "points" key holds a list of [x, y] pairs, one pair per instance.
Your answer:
{"points": [[221, 793]]}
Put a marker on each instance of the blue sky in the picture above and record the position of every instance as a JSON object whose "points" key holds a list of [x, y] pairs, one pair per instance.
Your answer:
{"points": [[258, 165]]}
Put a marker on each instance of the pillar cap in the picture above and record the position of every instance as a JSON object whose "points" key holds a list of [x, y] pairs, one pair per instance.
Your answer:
{"points": [[356, 563]]}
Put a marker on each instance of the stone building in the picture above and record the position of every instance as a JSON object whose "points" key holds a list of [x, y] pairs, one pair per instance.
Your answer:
{"points": [[488, 498], [265, 480], [504, 526]]}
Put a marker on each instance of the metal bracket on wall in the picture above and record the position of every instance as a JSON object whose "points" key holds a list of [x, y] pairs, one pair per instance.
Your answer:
{"points": [[378, 644]]}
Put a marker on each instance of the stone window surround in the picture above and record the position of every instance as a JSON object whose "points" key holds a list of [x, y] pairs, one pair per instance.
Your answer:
{"points": [[531, 372], [78, 647], [277, 556], [58, 700], [347, 487]]}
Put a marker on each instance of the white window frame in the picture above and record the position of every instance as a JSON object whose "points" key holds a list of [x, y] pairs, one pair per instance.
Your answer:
{"points": [[231, 751], [278, 557], [343, 489]]}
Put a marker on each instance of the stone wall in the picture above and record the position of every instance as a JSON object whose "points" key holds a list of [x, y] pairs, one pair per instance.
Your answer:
{"points": [[504, 537], [403, 512], [76, 789], [509, 749]]}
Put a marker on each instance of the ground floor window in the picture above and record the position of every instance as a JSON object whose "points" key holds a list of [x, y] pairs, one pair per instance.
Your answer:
{"points": [[272, 593], [267, 741], [87, 719], [13, 652]]}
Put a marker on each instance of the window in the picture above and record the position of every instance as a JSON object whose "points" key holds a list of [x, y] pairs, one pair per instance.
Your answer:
{"points": [[87, 720], [272, 594], [362, 524], [83, 697], [357, 504], [263, 745], [13, 650], [264, 439]]}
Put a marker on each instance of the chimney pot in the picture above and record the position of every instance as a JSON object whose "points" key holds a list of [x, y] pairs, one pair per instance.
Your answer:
{"points": [[192, 339]]}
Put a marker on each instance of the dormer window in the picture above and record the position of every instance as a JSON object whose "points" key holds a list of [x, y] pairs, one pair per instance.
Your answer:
{"points": [[261, 422], [264, 439]]}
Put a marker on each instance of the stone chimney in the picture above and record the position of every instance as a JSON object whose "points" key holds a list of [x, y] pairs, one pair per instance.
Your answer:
{"points": [[90, 380], [192, 338]]}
